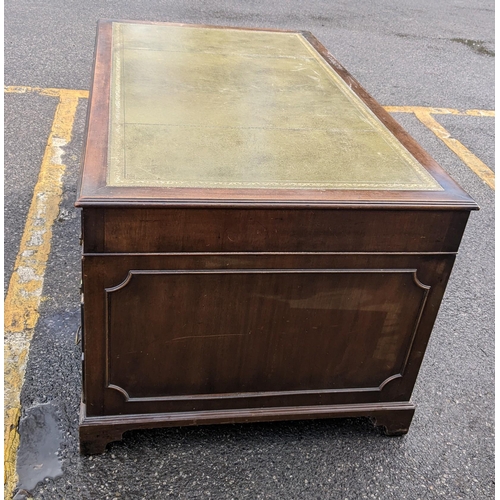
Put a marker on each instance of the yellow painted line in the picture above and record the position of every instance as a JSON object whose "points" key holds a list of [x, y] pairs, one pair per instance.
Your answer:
{"points": [[470, 159], [440, 111], [480, 112], [25, 288], [82, 94]]}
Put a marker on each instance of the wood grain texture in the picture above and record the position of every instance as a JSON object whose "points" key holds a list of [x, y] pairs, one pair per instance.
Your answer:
{"points": [[250, 326], [118, 230]]}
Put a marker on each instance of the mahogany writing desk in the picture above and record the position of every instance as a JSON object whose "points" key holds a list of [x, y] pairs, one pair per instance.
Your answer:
{"points": [[261, 240]]}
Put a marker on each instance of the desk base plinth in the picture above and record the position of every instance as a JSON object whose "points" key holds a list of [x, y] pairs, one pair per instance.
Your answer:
{"points": [[97, 432]]}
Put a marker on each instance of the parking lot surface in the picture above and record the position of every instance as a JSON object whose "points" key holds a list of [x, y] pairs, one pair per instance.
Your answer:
{"points": [[431, 64]]}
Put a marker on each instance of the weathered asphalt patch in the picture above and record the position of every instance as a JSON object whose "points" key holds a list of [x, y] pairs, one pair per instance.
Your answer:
{"points": [[41, 438]]}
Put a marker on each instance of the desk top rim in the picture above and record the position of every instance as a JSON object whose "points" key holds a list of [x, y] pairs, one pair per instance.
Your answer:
{"points": [[93, 191]]}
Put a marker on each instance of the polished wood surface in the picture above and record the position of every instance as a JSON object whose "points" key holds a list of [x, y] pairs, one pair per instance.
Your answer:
{"points": [[207, 305], [119, 230], [397, 295], [241, 330]]}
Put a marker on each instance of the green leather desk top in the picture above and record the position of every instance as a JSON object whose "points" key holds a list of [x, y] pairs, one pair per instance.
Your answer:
{"points": [[224, 108]]}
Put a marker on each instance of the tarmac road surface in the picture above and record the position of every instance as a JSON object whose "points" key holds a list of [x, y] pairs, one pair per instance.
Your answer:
{"points": [[419, 53]]}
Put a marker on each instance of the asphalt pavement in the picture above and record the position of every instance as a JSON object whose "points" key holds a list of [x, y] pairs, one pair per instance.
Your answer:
{"points": [[407, 53]]}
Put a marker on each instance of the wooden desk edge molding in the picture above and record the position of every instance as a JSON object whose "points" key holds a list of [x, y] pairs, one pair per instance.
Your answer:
{"points": [[261, 240]]}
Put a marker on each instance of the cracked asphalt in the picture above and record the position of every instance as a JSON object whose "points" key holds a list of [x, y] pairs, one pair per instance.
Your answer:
{"points": [[409, 53]]}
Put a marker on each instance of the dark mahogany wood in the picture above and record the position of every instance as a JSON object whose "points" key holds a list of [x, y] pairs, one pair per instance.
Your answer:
{"points": [[394, 423], [119, 230], [97, 432], [206, 306]]}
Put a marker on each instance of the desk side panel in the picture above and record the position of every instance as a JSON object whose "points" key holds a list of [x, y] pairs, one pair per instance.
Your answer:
{"points": [[212, 332]]}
